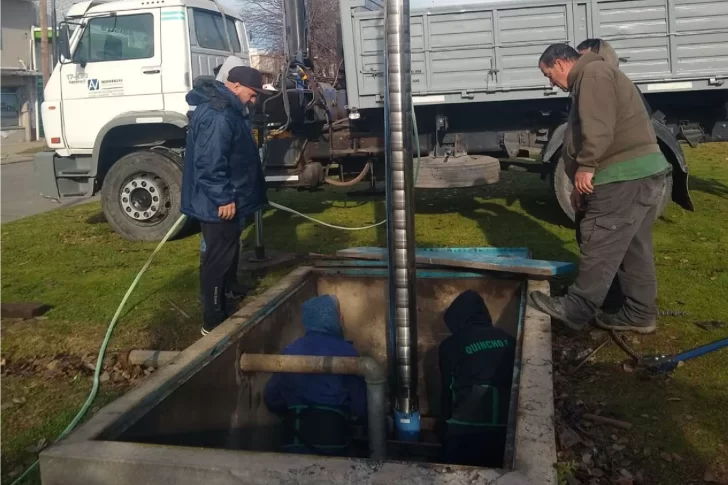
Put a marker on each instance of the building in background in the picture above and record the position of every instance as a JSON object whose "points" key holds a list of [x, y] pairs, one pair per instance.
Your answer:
{"points": [[268, 63], [19, 81]]}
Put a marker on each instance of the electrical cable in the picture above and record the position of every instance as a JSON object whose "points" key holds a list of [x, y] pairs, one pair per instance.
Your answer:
{"points": [[332, 226]]}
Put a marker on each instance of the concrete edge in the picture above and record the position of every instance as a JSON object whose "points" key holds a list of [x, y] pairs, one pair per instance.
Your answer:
{"points": [[106, 462], [535, 442], [158, 385]]}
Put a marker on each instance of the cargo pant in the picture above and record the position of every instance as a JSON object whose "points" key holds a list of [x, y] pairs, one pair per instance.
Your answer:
{"points": [[614, 299], [616, 240]]}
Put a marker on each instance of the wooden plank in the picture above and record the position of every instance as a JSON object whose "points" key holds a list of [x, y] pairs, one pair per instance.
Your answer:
{"points": [[23, 310], [477, 258]]}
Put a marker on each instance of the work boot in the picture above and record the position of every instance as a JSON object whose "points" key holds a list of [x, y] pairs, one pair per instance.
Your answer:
{"points": [[614, 321], [553, 307]]}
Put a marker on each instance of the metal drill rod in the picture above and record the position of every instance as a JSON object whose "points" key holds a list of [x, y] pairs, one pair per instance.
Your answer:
{"points": [[400, 200]]}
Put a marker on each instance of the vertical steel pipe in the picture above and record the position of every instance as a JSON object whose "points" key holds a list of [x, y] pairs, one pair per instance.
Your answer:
{"points": [[259, 246], [400, 200], [295, 30]]}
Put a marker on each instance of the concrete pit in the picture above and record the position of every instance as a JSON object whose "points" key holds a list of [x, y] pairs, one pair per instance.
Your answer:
{"points": [[199, 419]]}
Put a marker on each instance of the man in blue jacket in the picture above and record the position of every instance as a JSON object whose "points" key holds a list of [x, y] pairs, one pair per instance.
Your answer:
{"points": [[223, 179], [316, 408]]}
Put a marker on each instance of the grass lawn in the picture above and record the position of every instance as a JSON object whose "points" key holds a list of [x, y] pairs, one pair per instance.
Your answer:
{"points": [[71, 260]]}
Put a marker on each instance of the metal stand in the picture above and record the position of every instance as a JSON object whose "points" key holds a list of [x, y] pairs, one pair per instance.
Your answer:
{"points": [[259, 260], [259, 256]]}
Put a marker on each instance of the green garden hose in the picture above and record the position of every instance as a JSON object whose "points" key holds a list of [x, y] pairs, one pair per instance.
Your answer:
{"points": [[102, 351]]}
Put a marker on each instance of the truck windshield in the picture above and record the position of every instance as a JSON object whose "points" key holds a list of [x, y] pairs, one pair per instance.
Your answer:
{"points": [[211, 33], [117, 38]]}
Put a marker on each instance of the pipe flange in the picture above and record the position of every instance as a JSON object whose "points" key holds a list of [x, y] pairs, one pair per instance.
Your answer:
{"points": [[141, 198]]}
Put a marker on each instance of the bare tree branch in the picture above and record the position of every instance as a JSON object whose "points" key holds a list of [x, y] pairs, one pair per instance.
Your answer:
{"points": [[264, 21]]}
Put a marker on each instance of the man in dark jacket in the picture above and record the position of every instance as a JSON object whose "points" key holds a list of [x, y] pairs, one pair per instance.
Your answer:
{"points": [[476, 369], [317, 408], [223, 179], [618, 170]]}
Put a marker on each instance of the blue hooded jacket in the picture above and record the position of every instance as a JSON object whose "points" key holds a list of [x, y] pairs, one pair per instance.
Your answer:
{"points": [[222, 164], [323, 337]]}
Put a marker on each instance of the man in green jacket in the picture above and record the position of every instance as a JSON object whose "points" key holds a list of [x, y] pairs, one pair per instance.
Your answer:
{"points": [[618, 172]]}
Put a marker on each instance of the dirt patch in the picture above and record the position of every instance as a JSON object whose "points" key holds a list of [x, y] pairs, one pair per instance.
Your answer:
{"points": [[59, 366], [598, 445]]}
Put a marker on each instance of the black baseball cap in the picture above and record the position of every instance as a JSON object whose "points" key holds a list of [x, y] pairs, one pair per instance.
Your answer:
{"points": [[248, 77]]}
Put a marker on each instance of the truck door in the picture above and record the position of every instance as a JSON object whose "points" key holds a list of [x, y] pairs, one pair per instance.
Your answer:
{"points": [[116, 68]]}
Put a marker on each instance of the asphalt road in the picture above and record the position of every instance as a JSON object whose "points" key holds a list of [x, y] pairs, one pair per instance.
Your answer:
{"points": [[19, 196]]}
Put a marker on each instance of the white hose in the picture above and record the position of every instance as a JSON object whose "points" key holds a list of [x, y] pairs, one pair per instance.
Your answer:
{"points": [[332, 226]]}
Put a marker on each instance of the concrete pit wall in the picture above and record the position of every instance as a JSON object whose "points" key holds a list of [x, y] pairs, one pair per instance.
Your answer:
{"points": [[190, 421]]}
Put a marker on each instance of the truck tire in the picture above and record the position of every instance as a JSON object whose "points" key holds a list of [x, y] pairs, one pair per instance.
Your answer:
{"points": [[141, 195], [562, 188]]}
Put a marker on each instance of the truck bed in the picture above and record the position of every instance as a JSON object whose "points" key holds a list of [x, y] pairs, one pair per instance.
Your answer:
{"points": [[488, 51]]}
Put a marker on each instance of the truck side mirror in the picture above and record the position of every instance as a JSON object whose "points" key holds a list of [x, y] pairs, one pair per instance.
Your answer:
{"points": [[64, 43]]}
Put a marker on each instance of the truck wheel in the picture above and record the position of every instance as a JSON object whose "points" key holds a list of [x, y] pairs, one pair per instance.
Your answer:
{"points": [[563, 187], [141, 195]]}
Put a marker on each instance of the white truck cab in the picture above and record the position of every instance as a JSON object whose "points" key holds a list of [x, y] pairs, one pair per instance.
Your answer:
{"points": [[115, 113]]}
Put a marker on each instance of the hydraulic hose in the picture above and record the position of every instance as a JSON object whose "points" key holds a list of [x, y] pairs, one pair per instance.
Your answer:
{"points": [[102, 351], [359, 178], [354, 181]]}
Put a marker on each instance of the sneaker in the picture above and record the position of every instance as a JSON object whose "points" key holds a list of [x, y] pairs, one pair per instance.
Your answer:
{"points": [[553, 307], [205, 331], [608, 321]]}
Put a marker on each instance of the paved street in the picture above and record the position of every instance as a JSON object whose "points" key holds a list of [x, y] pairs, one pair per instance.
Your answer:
{"points": [[19, 197]]}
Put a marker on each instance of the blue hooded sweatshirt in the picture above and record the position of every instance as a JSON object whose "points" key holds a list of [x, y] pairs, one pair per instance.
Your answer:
{"points": [[323, 337], [222, 164]]}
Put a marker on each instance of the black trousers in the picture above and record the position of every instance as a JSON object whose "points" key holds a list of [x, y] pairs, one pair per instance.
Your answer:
{"points": [[219, 268], [616, 240], [478, 447]]}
